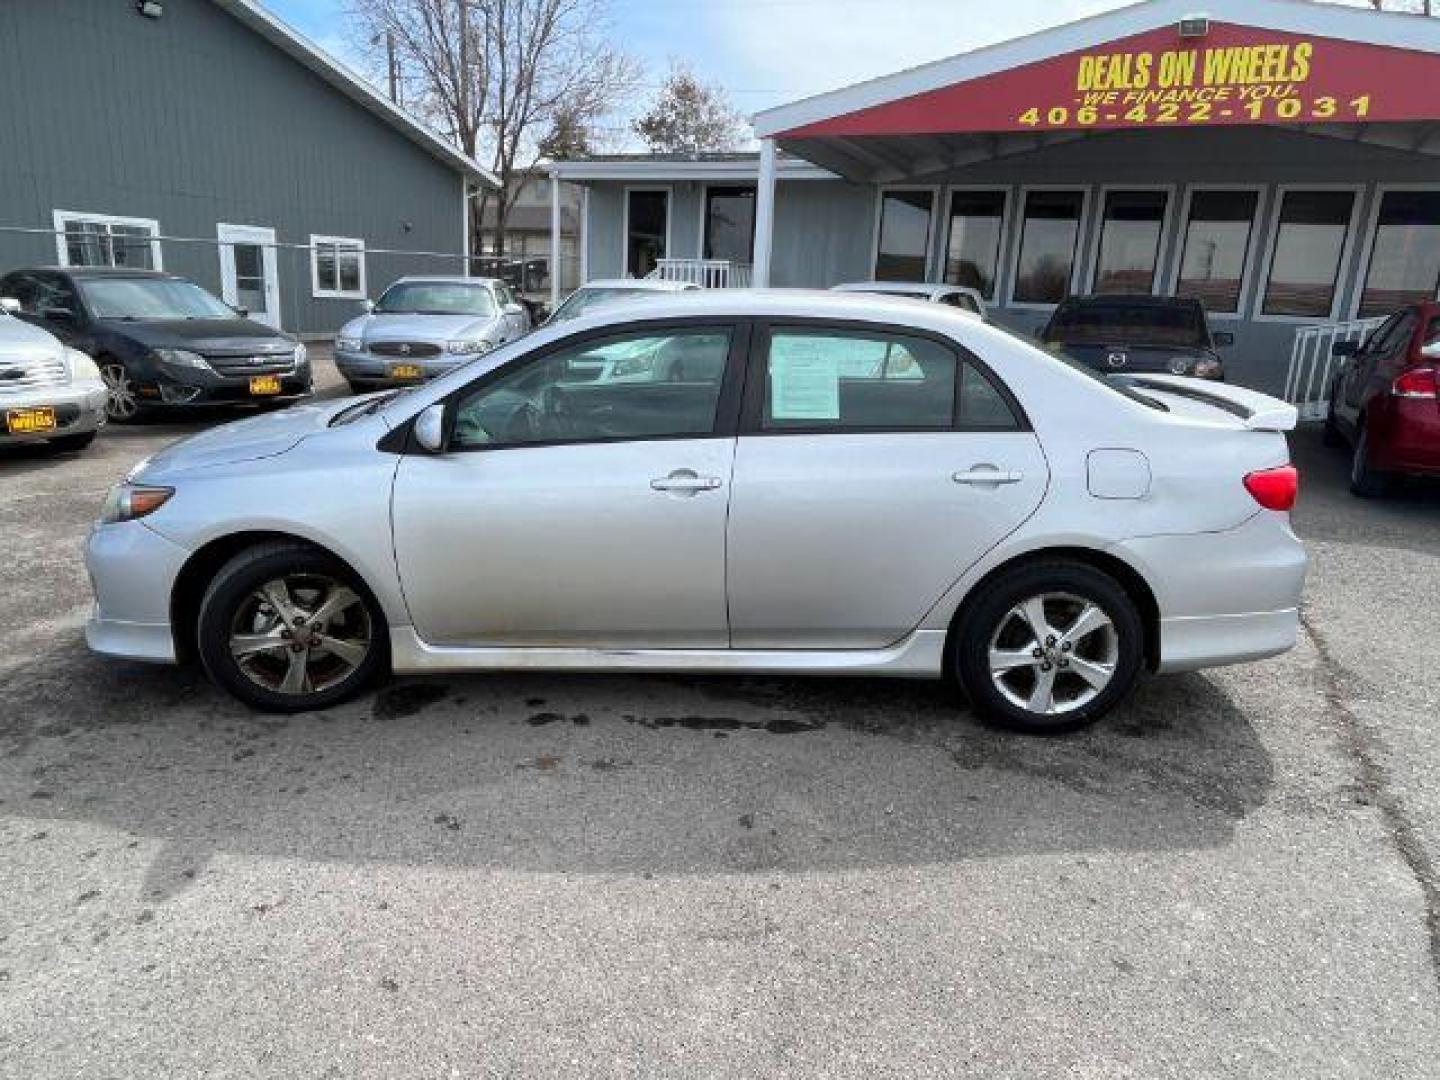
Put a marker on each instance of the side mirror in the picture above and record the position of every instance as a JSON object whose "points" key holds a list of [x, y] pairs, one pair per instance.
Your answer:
{"points": [[430, 429], [1345, 348], [368, 306], [59, 315], [1223, 339], [10, 304], [1431, 350]]}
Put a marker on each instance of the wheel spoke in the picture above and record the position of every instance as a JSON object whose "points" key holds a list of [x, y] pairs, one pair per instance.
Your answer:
{"points": [[352, 652], [1097, 675], [1003, 660], [1033, 612], [242, 645], [339, 600], [1042, 698], [1091, 619], [297, 674], [277, 594]]}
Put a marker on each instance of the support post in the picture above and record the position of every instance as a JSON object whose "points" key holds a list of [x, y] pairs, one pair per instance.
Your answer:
{"points": [[764, 215], [555, 266]]}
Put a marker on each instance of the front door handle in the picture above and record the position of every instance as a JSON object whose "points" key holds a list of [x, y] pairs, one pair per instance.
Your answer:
{"points": [[685, 482], [987, 476]]}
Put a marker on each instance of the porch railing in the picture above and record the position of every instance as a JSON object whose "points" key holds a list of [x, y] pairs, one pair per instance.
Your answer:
{"points": [[707, 273], [1313, 363]]}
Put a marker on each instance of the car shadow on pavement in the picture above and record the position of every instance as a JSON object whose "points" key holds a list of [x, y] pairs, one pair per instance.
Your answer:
{"points": [[613, 774]]}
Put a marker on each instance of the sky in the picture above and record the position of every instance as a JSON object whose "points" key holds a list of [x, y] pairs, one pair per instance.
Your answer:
{"points": [[768, 52]]}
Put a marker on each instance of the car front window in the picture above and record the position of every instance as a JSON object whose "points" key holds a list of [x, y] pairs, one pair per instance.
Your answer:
{"points": [[151, 298], [436, 298]]}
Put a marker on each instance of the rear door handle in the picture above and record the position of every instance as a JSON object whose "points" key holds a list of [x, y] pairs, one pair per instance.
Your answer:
{"points": [[685, 482], [987, 476]]}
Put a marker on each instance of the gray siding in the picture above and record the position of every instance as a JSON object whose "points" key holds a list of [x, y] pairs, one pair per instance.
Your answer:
{"points": [[193, 119]]}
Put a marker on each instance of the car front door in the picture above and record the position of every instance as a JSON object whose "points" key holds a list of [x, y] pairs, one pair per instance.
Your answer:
{"points": [[874, 467], [569, 511], [1361, 367]]}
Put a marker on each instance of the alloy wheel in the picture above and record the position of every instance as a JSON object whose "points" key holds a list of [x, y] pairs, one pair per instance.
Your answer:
{"points": [[120, 401], [1054, 653], [300, 634]]}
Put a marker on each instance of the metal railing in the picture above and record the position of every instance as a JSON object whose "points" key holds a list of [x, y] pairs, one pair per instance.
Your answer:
{"points": [[707, 273], [1313, 363]]}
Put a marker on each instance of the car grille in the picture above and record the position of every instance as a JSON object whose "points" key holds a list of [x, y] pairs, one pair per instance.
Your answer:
{"points": [[409, 350], [26, 374], [278, 364]]}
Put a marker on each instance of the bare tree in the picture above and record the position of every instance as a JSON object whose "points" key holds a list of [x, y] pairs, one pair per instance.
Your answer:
{"points": [[498, 76], [690, 116]]}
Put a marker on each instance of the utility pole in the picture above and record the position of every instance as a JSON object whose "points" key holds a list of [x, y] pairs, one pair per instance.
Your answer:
{"points": [[390, 66]]}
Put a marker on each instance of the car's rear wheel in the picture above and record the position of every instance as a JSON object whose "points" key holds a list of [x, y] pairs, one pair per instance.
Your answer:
{"points": [[122, 401], [1366, 481], [286, 628], [1049, 647]]}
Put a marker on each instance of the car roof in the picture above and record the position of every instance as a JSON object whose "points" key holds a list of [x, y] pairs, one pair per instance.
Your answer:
{"points": [[1134, 300], [641, 284], [929, 288], [99, 272], [446, 279]]}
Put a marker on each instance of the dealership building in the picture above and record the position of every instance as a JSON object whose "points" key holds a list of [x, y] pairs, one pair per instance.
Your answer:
{"points": [[1278, 159]]}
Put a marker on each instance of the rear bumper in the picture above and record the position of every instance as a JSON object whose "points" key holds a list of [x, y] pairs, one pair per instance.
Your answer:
{"points": [[1405, 436], [79, 410], [1227, 597]]}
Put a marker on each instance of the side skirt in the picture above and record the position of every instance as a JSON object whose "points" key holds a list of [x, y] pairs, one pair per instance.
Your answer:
{"points": [[921, 655]]}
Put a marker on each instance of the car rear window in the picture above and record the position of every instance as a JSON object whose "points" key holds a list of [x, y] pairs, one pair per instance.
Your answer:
{"points": [[1117, 322]]}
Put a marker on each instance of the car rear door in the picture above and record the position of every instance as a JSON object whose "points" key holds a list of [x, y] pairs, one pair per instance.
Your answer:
{"points": [[567, 512], [874, 466]]}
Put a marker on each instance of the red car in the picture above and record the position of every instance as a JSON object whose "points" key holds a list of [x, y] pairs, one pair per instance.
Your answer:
{"points": [[1384, 403]]}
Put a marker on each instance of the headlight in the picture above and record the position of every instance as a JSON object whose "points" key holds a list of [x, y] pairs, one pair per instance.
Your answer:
{"points": [[81, 366], [1180, 365], [469, 348], [349, 344], [299, 353], [183, 358], [126, 502]]}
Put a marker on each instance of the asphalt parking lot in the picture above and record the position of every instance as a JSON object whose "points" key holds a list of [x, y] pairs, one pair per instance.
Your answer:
{"points": [[622, 876]]}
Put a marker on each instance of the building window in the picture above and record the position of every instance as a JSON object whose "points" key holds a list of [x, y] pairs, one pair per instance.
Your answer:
{"points": [[1305, 261], [730, 224], [103, 240], [1049, 236], [337, 267], [1130, 241], [972, 249], [647, 229], [1216, 248], [904, 238], [1405, 253]]}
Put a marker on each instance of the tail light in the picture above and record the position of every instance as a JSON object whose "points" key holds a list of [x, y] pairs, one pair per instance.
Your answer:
{"points": [[1418, 382], [1274, 489]]}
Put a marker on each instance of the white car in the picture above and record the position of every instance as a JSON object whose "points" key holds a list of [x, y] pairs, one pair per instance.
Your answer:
{"points": [[48, 393], [762, 496], [604, 292], [956, 296]]}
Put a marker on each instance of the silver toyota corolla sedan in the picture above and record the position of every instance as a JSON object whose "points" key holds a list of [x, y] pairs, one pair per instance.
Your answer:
{"points": [[48, 393], [784, 482], [425, 326]]}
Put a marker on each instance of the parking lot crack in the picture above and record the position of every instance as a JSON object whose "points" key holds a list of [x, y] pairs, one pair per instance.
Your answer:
{"points": [[1367, 751]]}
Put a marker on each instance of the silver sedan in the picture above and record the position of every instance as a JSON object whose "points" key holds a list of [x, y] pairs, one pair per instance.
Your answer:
{"points": [[725, 481], [48, 393]]}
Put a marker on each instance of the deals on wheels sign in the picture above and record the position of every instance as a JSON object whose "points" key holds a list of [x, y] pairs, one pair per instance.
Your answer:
{"points": [[1229, 75]]}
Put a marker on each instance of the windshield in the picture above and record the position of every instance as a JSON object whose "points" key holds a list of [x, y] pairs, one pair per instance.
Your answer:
{"points": [[436, 298], [583, 300], [151, 298], [1117, 322]]}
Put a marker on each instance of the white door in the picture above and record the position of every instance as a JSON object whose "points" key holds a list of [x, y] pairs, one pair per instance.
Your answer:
{"points": [[248, 276], [873, 470]]}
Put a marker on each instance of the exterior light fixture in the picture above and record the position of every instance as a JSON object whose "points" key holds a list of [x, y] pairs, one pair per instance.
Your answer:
{"points": [[1195, 26], [151, 9]]}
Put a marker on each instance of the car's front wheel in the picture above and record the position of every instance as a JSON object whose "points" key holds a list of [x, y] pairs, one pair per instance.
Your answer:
{"points": [[286, 628], [1049, 647], [122, 399]]}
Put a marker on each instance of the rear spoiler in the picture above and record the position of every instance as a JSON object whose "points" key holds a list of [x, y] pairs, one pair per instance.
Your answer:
{"points": [[1257, 411]]}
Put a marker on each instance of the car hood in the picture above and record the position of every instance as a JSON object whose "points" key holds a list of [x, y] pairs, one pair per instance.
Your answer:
{"points": [[414, 327], [1143, 358], [19, 341], [203, 335], [258, 437]]}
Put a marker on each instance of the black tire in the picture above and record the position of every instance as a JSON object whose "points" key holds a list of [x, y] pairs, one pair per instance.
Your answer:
{"points": [[232, 597], [67, 444], [1366, 481], [990, 614]]}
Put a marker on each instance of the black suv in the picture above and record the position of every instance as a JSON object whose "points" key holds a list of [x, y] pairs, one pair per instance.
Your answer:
{"points": [[1119, 334], [160, 340]]}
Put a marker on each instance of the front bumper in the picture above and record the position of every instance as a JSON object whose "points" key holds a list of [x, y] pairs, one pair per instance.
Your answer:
{"points": [[79, 409], [178, 386], [132, 572], [366, 369], [1226, 597]]}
